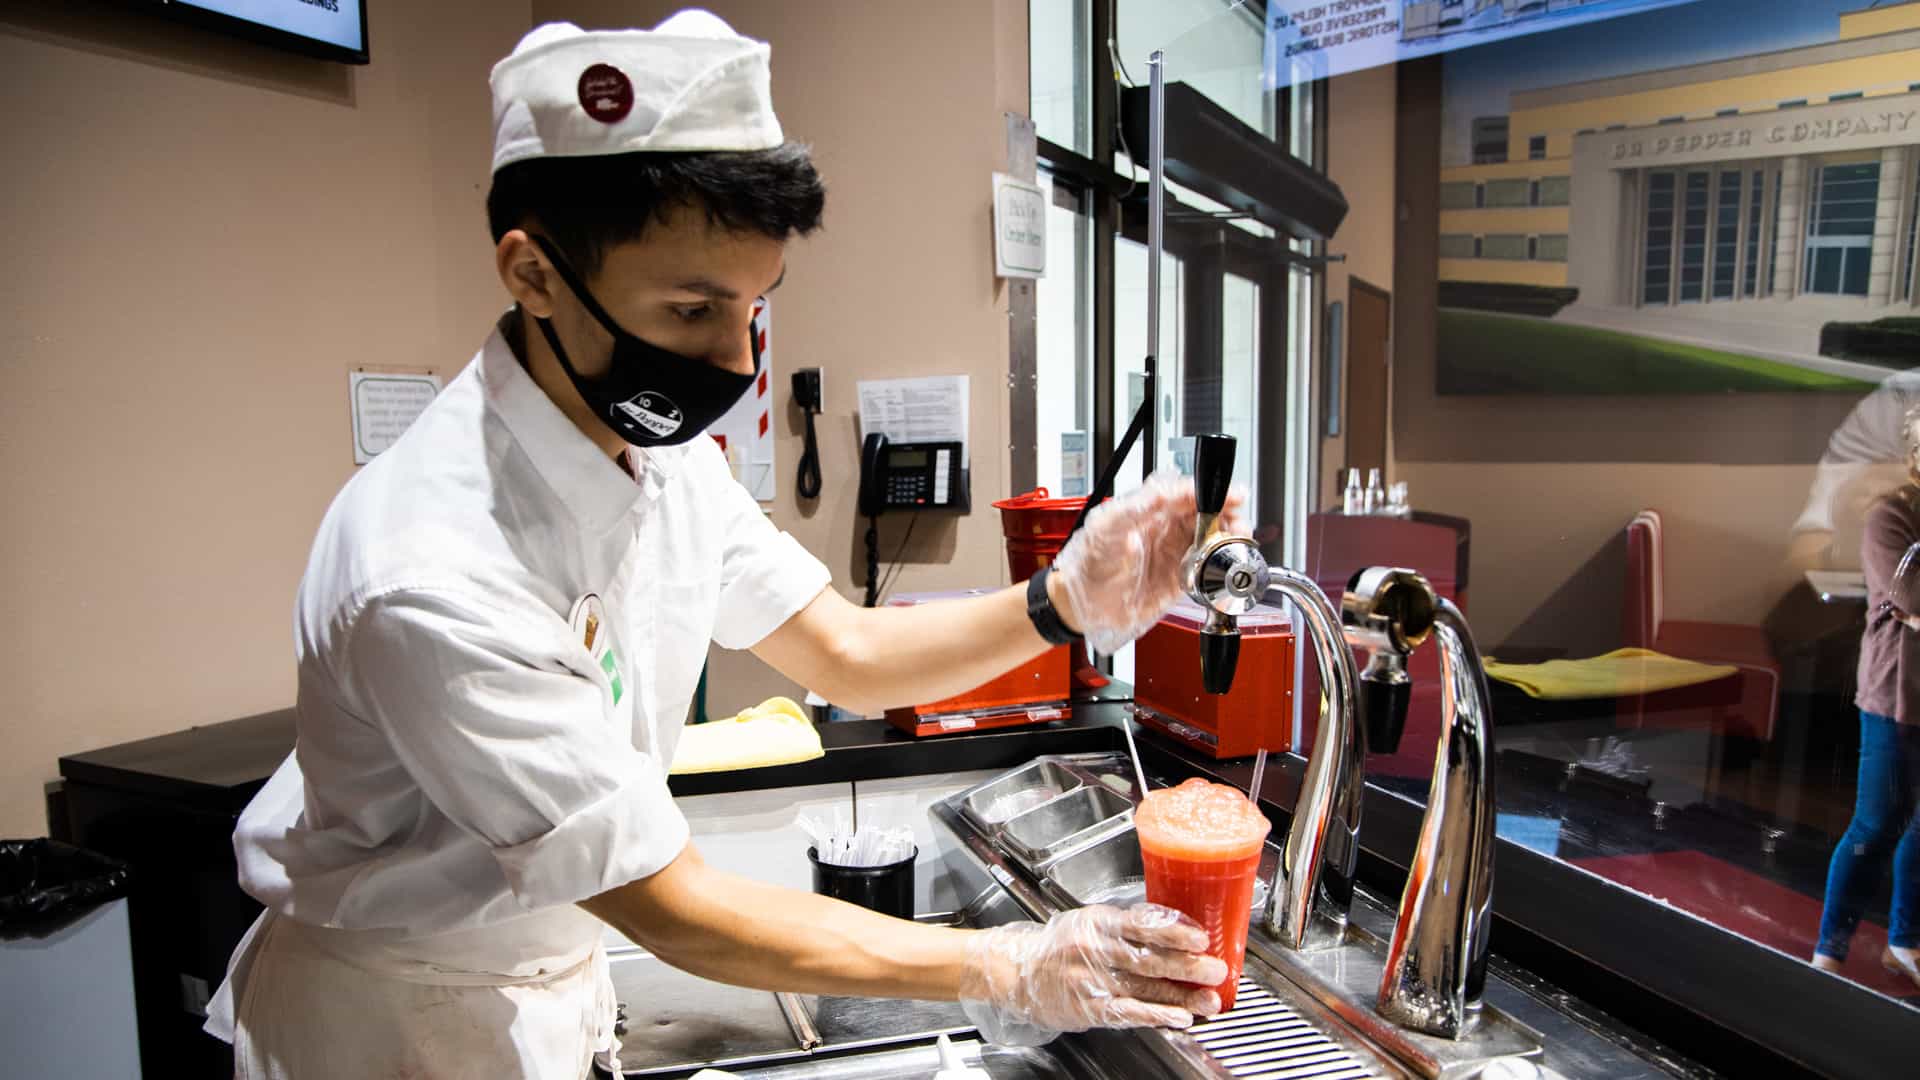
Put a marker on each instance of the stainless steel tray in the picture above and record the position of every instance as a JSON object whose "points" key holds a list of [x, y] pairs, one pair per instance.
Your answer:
{"points": [[1051, 806]]}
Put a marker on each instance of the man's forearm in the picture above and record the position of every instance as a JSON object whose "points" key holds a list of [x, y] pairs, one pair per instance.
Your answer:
{"points": [[735, 930], [876, 658]]}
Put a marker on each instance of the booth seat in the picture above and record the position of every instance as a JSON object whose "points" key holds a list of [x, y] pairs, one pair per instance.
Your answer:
{"points": [[1745, 704]]}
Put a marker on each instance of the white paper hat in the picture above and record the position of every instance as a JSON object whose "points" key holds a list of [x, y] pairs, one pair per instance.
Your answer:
{"points": [[690, 83]]}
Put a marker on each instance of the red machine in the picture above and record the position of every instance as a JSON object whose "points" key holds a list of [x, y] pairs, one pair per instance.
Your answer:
{"points": [[1256, 714], [1033, 693]]}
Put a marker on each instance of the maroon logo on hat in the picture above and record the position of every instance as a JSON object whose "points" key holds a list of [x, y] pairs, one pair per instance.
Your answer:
{"points": [[605, 93]]}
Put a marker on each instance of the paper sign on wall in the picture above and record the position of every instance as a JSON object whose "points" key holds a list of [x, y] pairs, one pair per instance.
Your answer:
{"points": [[932, 408], [384, 404], [1019, 228], [1073, 464]]}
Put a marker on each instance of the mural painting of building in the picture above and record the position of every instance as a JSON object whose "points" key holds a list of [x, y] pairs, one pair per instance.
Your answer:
{"points": [[1751, 205]]}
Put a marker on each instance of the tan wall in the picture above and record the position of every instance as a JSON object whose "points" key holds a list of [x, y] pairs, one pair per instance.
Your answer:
{"points": [[1885, 73], [1884, 19], [1360, 109], [903, 105], [1536, 525], [207, 235]]}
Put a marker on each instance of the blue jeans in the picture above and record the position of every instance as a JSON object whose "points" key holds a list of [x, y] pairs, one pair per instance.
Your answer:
{"points": [[1883, 821]]}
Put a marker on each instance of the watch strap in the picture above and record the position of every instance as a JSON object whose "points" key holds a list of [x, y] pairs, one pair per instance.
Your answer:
{"points": [[1046, 618]]}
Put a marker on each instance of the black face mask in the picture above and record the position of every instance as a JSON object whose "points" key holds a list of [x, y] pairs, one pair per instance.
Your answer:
{"points": [[649, 396]]}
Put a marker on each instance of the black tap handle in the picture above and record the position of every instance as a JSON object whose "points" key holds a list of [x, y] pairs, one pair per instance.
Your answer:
{"points": [[1212, 471], [1383, 709], [1219, 656]]}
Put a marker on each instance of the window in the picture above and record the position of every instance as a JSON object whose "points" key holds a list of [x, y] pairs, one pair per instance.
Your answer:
{"points": [[1552, 248], [1537, 148], [1796, 103], [1693, 236], [1726, 233], [1063, 340], [1458, 195], [1533, 248], [1059, 75], [1673, 119], [1503, 246], [1840, 228], [1533, 193], [1556, 190], [1728, 112], [1756, 204], [1490, 135], [1479, 196], [1508, 193], [1456, 246], [1478, 246], [1656, 282], [1913, 243], [1851, 95]]}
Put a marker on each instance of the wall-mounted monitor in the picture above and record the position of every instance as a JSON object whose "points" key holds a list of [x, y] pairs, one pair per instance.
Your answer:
{"points": [[328, 29]]}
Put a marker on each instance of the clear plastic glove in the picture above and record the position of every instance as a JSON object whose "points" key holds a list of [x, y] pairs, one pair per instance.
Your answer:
{"points": [[1121, 571], [1024, 983]]}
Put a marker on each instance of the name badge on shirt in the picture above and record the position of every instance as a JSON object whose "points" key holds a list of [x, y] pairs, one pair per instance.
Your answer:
{"points": [[590, 623]]}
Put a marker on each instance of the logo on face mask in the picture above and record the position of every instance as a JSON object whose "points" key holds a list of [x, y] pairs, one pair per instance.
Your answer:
{"points": [[652, 411]]}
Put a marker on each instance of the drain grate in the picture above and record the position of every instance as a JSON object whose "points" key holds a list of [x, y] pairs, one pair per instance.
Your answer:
{"points": [[1263, 1039]]}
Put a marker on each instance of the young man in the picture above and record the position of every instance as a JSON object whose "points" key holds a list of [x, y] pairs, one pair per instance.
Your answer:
{"points": [[505, 615]]}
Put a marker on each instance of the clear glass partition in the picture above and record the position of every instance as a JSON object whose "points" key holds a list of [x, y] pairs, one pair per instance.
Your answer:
{"points": [[1651, 357]]}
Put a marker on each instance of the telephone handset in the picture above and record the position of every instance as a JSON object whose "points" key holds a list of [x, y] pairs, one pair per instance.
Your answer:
{"points": [[911, 476]]}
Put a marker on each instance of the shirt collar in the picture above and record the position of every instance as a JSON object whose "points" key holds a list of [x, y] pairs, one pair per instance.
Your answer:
{"points": [[592, 486]]}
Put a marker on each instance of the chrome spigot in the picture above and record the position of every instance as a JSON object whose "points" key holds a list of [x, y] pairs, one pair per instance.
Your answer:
{"points": [[1437, 958], [1389, 612], [1312, 892], [1224, 572]]}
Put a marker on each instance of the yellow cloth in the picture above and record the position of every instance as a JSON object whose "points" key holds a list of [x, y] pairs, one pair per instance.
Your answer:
{"points": [[1620, 673], [774, 732]]}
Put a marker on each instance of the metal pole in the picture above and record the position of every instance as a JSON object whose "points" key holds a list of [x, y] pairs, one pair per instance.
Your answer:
{"points": [[1156, 242]]}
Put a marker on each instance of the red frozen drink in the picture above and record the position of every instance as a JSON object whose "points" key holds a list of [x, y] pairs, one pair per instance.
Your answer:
{"points": [[1200, 845]]}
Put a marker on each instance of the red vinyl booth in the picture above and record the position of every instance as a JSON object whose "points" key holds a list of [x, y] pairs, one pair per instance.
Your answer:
{"points": [[1338, 546], [1746, 704]]}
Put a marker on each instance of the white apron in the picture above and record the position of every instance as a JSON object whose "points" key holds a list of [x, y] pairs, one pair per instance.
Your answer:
{"points": [[531, 998]]}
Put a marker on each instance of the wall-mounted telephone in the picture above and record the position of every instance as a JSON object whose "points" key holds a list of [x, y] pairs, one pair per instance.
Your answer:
{"points": [[907, 476], [911, 476]]}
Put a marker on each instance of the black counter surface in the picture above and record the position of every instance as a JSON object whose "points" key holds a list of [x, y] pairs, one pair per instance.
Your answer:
{"points": [[219, 767]]}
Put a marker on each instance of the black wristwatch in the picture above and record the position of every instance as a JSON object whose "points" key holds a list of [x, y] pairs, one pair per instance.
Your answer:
{"points": [[1046, 619]]}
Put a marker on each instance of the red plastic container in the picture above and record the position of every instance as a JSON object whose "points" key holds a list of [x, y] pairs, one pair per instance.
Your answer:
{"points": [[1037, 526]]}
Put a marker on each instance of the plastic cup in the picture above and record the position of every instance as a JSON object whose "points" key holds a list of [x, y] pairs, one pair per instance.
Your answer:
{"points": [[1200, 847]]}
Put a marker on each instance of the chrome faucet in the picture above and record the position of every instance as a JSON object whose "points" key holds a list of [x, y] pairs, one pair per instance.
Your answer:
{"points": [[1312, 892], [1437, 959]]}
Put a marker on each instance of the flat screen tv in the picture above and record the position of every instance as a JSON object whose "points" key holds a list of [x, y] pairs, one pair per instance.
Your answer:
{"points": [[328, 29]]}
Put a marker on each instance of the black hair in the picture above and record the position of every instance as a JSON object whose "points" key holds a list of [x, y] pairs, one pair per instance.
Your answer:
{"points": [[589, 205]]}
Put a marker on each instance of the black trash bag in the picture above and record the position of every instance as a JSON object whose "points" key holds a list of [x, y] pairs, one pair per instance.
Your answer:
{"points": [[45, 883]]}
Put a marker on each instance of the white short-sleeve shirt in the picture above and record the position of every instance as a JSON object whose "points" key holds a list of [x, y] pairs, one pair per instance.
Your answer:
{"points": [[465, 756]]}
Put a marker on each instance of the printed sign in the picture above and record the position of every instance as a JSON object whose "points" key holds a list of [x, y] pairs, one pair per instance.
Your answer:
{"points": [[1316, 39], [1019, 228], [383, 405]]}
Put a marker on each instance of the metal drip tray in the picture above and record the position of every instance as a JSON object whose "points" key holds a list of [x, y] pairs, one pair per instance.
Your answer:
{"points": [[1262, 1038], [1108, 872], [1064, 821]]}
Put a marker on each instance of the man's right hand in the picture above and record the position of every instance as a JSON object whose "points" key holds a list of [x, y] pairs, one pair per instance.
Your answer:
{"points": [[1092, 967]]}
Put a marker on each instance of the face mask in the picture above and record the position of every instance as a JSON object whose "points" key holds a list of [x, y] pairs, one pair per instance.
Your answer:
{"points": [[649, 396]]}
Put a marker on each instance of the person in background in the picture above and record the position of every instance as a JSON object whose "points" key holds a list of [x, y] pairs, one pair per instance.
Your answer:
{"points": [[1864, 460], [504, 617], [1885, 818]]}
